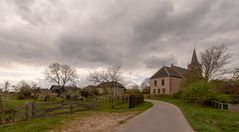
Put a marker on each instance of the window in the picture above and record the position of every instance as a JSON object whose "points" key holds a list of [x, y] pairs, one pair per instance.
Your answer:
{"points": [[162, 82], [154, 91], [159, 91], [163, 90], [155, 82]]}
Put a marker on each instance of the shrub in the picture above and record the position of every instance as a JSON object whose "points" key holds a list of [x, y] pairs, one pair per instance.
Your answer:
{"points": [[199, 92], [84, 94], [224, 98], [24, 93]]}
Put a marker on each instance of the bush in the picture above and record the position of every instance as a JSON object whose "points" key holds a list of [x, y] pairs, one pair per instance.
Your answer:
{"points": [[24, 93], [224, 98], [177, 95], [84, 94], [199, 92], [47, 97]]}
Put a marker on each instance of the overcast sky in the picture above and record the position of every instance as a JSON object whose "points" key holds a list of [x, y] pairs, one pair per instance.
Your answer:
{"points": [[140, 35]]}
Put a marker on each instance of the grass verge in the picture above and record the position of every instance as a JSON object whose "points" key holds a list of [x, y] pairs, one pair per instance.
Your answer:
{"points": [[54, 122], [204, 119]]}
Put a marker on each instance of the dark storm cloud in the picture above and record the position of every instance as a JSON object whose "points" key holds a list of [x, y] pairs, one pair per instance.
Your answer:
{"points": [[86, 50], [165, 21], [142, 34]]}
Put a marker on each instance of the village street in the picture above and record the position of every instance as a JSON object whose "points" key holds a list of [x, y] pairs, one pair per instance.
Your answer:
{"points": [[162, 117]]}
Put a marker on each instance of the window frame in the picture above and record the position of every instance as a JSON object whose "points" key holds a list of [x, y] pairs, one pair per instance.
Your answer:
{"points": [[163, 82], [155, 83]]}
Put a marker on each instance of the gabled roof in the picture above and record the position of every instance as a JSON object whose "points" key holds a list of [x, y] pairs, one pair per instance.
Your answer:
{"points": [[172, 71], [108, 84], [181, 71]]}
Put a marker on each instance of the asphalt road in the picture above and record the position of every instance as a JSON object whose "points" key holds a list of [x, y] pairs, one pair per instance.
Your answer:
{"points": [[162, 117]]}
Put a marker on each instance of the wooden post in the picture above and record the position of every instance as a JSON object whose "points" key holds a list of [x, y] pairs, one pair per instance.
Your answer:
{"points": [[71, 107], [33, 109]]}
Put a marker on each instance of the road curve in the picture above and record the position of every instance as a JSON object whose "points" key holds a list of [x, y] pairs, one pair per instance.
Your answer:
{"points": [[162, 117]]}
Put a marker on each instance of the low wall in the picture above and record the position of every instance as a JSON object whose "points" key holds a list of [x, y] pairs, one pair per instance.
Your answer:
{"points": [[233, 107]]}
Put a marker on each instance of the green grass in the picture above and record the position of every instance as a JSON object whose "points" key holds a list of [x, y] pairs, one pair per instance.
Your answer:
{"points": [[124, 107], [16, 102], [204, 119], [53, 122]]}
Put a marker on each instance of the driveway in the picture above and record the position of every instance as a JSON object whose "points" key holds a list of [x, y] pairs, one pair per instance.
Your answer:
{"points": [[162, 117]]}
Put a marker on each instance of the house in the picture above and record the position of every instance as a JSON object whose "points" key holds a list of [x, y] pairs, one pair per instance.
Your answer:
{"points": [[168, 80], [114, 88], [89, 88]]}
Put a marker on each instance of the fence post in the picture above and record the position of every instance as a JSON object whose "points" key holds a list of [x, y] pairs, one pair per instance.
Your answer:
{"points": [[71, 107], [33, 109], [29, 110]]}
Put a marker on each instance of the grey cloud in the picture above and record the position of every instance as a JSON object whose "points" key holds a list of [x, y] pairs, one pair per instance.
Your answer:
{"points": [[88, 50], [131, 33], [157, 62], [165, 21]]}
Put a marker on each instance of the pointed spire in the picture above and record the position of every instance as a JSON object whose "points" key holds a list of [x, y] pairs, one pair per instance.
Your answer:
{"points": [[194, 58]]}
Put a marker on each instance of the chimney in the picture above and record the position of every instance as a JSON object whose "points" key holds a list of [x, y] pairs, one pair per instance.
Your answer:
{"points": [[171, 65]]}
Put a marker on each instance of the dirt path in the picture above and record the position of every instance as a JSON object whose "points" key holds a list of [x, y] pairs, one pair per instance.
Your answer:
{"points": [[162, 117], [98, 122]]}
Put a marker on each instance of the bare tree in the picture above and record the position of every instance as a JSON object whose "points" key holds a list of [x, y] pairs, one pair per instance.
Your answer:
{"points": [[61, 74], [213, 61], [145, 86], [6, 86], [35, 89], [110, 76], [134, 89]]}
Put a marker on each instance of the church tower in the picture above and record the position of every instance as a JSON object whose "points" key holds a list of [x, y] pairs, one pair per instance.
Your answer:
{"points": [[195, 68]]}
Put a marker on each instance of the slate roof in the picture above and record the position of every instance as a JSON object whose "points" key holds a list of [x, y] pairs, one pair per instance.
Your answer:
{"points": [[107, 84], [172, 71], [181, 71]]}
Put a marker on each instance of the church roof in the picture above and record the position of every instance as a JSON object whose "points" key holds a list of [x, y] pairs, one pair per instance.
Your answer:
{"points": [[194, 58], [172, 71]]}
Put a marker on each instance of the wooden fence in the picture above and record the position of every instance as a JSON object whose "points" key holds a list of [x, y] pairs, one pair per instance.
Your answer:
{"points": [[118, 99], [35, 110], [135, 100], [217, 105]]}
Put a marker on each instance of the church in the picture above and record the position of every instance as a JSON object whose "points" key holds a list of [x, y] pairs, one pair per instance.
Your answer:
{"points": [[168, 80]]}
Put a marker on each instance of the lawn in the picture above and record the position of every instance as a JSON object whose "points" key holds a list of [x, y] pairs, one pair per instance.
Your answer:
{"points": [[54, 122], [17, 102], [204, 119]]}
